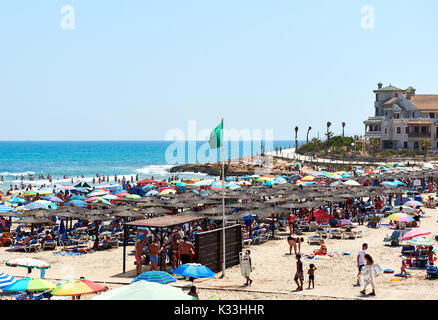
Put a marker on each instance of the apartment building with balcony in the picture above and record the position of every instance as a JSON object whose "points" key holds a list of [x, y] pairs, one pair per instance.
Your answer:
{"points": [[403, 118]]}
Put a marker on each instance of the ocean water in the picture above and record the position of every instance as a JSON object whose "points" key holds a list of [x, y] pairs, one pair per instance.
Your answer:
{"points": [[76, 158]]}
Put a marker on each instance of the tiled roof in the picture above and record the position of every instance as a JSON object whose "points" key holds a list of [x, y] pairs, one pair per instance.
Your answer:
{"points": [[425, 101], [389, 88], [390, 101]]}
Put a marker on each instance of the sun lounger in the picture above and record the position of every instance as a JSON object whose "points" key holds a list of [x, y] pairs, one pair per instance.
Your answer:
{"points": [[113, 242], [394, 238], [335, 234], [247, 242], [322, 233], [314, 239], [304, 225], [49, 245], [350, 235], [33, 245]]}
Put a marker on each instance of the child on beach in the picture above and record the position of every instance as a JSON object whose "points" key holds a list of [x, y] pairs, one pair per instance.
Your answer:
{"points": [[431, 255], [403, 272], [311, 274]]}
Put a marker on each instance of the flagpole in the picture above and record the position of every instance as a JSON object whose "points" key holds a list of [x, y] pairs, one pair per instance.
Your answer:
{"points": [[223, 199]]}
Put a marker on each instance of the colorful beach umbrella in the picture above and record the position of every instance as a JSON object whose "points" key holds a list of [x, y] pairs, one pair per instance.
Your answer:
{"points": [[419, 242], [144, 290], [414, 203], [133, 196], [400, 217], [77, 287], [406, 209], [30, 285], [194, 270], [155, 276], [414, 233]]}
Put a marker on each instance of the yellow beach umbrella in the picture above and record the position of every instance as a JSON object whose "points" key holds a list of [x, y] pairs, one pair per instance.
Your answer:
{"points": [[308, 178]]}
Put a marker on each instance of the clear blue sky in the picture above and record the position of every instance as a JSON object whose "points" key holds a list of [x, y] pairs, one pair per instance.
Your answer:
{"points": [[134, 69]]}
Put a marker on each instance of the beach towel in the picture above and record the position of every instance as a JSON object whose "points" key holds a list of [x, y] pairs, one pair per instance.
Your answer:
{"points": [[69, 253]]}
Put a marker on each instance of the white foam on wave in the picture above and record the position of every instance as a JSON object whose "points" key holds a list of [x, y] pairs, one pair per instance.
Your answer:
{"points": [[16, 174], [161, 169]]}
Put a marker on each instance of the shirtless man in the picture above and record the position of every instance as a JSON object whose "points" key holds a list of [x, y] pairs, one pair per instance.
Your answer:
{"points": [[186, 248], [138, 253], [174, 246], [154, 250]]}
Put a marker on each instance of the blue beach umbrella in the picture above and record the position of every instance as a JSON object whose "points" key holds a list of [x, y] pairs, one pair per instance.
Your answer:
{"points": [[6, 280], [194, 270], [53, 199], [148, 187], [17, 200], [78, 197], [155, 276], [77, 203], [151, 193]]}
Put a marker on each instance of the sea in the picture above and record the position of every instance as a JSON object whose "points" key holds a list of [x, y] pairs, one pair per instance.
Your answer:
{"points": [[81, 160]]}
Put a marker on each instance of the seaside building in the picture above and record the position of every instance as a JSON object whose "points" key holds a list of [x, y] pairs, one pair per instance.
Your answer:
{"points": [[403, 118]]}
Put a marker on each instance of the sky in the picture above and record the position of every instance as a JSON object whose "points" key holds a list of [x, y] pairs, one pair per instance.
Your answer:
{"points": [[134, 70]]}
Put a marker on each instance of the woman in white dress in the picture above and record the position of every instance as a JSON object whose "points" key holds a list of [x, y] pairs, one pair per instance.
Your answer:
{"points": [[369, 274], [246, 266]]}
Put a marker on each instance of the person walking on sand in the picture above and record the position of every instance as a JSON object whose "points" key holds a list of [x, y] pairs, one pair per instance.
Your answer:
{"points": [[246, 266], [361, 262], [299, 275], [369, 275]]}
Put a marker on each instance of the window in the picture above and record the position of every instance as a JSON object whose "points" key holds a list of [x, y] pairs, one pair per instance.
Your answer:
{"points": [[397, 115], [413, 114], [407, 130], [385, 130], [405, 144], [398, 130], [432, 115]]}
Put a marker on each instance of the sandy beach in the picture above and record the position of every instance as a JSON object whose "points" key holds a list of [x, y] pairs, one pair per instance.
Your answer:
{"points": [[273, 270]]}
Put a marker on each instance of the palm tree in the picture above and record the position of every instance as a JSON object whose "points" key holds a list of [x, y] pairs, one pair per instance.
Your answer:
{"points": [[425, 145], [343, 126], [307, 137], [375, 145], [328, 134], [296, 141]]}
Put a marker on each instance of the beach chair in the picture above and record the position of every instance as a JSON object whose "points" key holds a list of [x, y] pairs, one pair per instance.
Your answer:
{"points": [[349, 235], [49, 245], [246, 242], [325, 224], [432, 272], [113, 242], [304, 226], [335, 234], [314, 240], [33, 245], [322, 233], [394, 238]]}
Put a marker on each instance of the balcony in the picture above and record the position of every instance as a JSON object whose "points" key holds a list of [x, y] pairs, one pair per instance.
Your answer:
{"points": [[424, 135]]}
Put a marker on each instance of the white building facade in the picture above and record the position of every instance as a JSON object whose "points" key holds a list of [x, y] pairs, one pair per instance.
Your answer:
{"points": [[402, 119]]}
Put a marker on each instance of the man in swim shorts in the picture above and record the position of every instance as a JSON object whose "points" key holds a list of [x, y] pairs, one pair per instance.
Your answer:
{"points": [[154, 250]]}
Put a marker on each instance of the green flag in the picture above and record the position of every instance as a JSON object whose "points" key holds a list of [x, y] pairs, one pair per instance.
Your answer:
{"points": [[216, 137]]}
